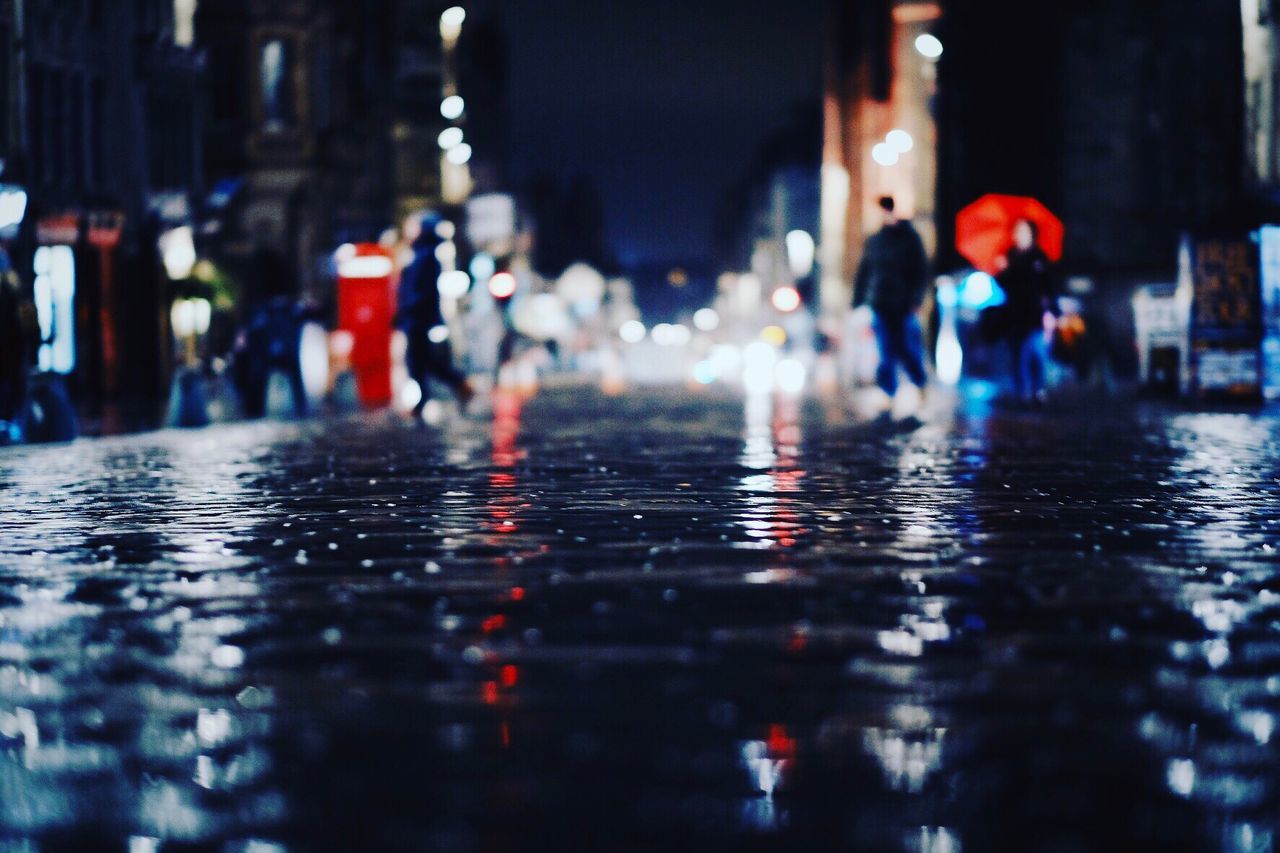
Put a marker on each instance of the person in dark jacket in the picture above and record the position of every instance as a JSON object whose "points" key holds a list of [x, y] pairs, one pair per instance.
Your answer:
{"points": [[891, 281], [1026, 277], [420, 318], [268, 342]]}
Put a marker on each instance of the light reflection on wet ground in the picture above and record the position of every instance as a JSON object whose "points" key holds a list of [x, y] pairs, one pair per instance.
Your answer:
{"points": [[646, 622]]}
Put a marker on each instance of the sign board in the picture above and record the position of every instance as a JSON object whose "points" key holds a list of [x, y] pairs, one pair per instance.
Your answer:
{"points": [[1226, 317], [105, 228], [1160, 321], [61, 229], [491, 219]]}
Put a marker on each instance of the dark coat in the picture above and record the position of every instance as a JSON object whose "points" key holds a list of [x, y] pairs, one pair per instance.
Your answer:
{"points": [[892, 275], [418, 298], [1029, 290]]}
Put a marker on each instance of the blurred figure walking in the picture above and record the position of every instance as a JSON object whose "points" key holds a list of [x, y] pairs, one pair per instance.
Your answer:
{"points": [[891, 281], [420, 318], [268, 343], [1030, 309]]}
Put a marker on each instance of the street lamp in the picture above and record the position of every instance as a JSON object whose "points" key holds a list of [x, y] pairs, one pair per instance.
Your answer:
{"points": [[928, 46], [451, 23], [452, 107], [460, 154], [800, 252], [450, 137]]}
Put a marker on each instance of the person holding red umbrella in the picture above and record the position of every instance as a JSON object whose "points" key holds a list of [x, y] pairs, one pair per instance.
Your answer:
{"points": [[1031, 305]]}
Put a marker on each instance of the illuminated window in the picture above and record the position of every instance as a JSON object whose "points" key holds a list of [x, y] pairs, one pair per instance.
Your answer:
{"points": [[55, 294], [184, 22], [275, 70]]}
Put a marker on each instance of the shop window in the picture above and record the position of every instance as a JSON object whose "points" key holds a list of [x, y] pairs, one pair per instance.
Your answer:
{"points": [[55, 294]]}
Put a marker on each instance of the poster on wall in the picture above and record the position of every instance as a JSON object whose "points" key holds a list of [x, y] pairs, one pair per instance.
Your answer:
{"points": [[1226, 317]]}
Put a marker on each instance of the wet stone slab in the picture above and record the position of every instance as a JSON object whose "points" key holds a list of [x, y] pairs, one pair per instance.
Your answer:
{"points": [[648, 622]]}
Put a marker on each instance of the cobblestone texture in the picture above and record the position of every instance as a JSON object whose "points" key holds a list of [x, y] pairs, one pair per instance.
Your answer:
{"points": [[648, 622]]}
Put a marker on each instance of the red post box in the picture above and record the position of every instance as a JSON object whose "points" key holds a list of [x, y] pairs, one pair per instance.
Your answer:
{"points": [[366, 309]]}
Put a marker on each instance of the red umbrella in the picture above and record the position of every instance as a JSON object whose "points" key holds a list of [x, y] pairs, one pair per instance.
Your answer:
{"points": [[984, 229]]}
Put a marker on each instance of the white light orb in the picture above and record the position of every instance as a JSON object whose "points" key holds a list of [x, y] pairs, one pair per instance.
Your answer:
{"points": [[899, 140], [502, 285], [450, 137], [459, 155], [928, 46], [786, 299], [632, 332], [790, 375], [800, 252], [483, 266], [410, 394], [452, 107], [884, 154], [758, 362], [706, 319], [453, 284]]}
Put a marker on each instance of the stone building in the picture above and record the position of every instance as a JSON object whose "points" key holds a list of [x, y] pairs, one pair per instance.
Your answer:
{"points": [[325, 123], [298, 137], [1125, 117], [102, 128]]}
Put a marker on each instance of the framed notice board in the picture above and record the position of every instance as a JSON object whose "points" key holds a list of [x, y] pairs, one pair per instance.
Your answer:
{"points": [[1226, 317]]}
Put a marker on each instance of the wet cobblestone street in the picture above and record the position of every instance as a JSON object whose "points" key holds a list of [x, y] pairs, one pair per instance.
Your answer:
{"points": [[647, 622]]}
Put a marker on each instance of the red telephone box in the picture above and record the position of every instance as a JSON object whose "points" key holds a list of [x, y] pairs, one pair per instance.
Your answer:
{"points": [[366, 309]]}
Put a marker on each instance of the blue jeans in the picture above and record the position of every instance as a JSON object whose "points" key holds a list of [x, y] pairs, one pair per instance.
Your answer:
{"points": [[901, 343], [1028, 364]]}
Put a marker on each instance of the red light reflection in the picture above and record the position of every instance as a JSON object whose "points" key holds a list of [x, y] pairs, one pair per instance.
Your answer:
{"points": [[781, 745]]}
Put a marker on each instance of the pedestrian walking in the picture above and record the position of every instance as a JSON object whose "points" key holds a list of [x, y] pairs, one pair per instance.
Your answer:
{"points": [[429, 355], [1027, 278], [269, 341], [891, 281]]}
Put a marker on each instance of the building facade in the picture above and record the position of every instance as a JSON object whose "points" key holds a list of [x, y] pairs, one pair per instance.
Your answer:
{"points": [[297, 137], [103, 133], [1125, 117], [879, 130], [325, 127]]}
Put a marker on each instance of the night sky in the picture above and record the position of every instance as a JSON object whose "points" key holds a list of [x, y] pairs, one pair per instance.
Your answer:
{"points": [[662, 102]]}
